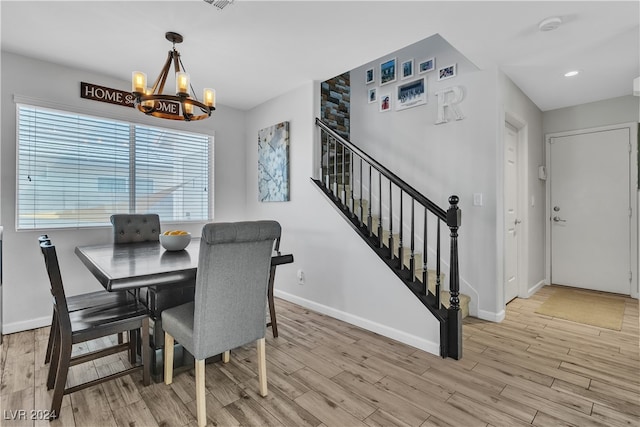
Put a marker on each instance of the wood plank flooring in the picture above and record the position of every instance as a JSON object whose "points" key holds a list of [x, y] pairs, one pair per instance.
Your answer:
{"points": [[528, 370]]}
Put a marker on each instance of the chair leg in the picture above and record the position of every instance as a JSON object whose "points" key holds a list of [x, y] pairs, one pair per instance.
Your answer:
{"points": [[52, 335], [133, 342], [146, 352], [225, 356], [55, 360], [201, 402], [62, 371], [168, 358], [262, 367]]}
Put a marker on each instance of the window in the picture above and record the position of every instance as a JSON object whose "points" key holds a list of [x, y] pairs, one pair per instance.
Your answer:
{"points": [[75, 170]]}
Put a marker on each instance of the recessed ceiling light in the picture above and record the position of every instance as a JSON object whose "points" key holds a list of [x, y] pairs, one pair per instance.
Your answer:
{"points": [[550, 24], [572, 73]]}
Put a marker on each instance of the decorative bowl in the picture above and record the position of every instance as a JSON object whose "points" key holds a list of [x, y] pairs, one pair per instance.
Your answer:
{"points": [[175, 242]]}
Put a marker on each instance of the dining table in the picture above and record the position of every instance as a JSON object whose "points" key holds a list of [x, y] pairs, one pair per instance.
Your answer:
{"points": [[160, 279]]}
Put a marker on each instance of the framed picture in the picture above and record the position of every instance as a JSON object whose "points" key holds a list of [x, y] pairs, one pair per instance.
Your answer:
{"points": [[371, 77], [407, 69], [273, 163], [447, 72], [411, 94], [426, 66], [385, 102], [373, 95], [388, 71]]}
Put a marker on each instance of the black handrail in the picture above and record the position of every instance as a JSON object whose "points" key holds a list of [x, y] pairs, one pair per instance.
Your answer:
{"points": [[434, 208]]}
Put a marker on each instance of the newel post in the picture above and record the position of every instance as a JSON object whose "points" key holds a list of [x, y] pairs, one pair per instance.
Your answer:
{"points": [[454, 220]]}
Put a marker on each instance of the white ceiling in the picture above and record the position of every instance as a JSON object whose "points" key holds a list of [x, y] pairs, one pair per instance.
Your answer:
{"points": [[254, 50]]}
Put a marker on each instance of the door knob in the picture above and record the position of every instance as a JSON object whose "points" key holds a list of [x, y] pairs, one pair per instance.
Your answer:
{"points": [[558, 219]]}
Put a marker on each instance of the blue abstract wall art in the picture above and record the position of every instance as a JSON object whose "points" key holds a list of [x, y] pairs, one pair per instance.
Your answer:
{"points": [[273, 163]]}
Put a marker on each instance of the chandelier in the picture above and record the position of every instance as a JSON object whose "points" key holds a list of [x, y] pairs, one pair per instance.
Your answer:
{"points": [[181, 106]]}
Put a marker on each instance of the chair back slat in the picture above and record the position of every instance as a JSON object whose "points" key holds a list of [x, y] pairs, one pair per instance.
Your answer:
{"points": [[57, 287], [231, 285]]}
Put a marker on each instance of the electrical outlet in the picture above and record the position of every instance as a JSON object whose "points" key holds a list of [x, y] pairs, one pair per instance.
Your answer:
{"points": [[300, 276]]}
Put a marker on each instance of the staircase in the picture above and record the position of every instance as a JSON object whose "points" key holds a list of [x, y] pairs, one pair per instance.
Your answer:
{"points": [[401, 226]]}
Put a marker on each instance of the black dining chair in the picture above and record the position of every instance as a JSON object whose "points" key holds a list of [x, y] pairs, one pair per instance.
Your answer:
{"points": [[85, 325], [100, 298], [277, 259], [230, 303]]}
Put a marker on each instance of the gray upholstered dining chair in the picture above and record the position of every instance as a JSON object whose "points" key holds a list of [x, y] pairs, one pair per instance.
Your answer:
{"points": [[229, 309], [132, 228]]}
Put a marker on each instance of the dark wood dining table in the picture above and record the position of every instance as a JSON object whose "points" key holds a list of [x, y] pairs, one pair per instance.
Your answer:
{"points": [[139, 267]]}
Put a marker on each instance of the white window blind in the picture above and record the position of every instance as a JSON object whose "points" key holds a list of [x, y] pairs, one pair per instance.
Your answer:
{"points": [[76, 171]]}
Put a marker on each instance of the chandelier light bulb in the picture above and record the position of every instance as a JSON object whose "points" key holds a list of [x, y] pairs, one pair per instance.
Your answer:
{"points": [[209, 97], [182, 83], [149, 103], [138, 82], [188, 108]]}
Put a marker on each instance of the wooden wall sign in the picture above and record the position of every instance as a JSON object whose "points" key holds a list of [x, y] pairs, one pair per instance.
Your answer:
{"points": [[121, 97], [106, 94]]}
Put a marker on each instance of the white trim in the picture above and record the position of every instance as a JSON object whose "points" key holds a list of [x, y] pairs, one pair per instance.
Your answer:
{"points": [[403, 337], [535, 288], [633, 197], [491, 316], [45, 103], [522, 130], [25, 325]]}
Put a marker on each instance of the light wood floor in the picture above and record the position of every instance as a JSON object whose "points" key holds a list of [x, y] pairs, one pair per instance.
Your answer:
{"points": [[528, 370]]}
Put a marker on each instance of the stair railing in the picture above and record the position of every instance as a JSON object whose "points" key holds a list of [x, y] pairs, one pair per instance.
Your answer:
{"points": [[337, 151]]}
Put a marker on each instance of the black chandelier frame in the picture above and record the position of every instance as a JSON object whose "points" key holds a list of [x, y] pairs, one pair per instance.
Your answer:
{"points": [[149, 103]]}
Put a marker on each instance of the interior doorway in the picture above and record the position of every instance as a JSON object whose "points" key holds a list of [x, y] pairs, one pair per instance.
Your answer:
{"points": [[591, 209], [512, 220]]}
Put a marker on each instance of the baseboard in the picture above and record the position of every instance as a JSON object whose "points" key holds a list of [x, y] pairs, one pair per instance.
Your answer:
{"points": [[491, 316], [403, 337], [531, 291], [10, 328]]}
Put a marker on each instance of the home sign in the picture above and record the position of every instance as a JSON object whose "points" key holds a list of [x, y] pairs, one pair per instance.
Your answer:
{"points": [[121, 97]]}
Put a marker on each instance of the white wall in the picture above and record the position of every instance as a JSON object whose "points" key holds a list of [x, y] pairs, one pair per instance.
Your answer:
{"points": [[344, 278], [458, 157], [26, 298], [523, 113], [612, 111]]}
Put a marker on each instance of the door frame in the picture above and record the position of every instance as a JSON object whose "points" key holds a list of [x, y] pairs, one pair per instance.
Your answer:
{"points": [[521, 128], [632, 128]]}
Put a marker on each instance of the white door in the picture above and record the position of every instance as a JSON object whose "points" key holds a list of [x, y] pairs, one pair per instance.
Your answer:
{"points": [[590, 210], [511, 213]]}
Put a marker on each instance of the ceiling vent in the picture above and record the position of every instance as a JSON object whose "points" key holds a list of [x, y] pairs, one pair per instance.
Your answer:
{"points": [[220, 4]]}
